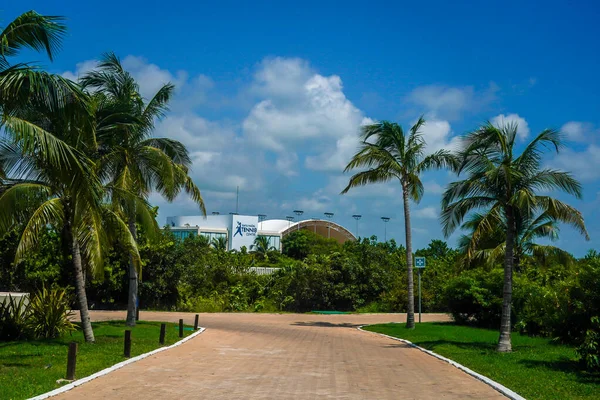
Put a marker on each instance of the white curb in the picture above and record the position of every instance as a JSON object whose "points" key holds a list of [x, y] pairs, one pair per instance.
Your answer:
{"points": [[115, 367], [500, 388]]}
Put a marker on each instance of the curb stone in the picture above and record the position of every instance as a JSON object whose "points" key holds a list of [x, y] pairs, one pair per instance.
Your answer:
{"points": [[495, 385], [115, 367]]}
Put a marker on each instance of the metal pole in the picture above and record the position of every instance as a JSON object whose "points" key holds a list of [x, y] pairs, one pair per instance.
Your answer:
{"points": [[419, 295], [237, 199]]}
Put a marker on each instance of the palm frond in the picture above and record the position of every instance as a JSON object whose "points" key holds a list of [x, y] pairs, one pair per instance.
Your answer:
{"points": [[34, 31]]}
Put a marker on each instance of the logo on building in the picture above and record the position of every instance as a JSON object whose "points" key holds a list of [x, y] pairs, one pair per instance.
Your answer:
{"points": [[245, 229]]}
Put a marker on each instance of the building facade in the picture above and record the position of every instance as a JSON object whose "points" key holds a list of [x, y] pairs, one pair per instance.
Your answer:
{"points": [[241, 230]]}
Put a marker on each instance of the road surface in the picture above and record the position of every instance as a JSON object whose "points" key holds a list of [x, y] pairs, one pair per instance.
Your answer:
{"points": [[284, 356]]}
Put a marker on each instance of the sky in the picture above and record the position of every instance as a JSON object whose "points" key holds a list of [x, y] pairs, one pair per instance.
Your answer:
{"points": [[270, 98]]}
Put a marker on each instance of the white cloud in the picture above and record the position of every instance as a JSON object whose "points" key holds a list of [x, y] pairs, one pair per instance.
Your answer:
{"points": [[303, 108], [522, 125], [81, 68], [433, 188], [438, 136], [447, 102], [426, 213], [584, 165], [579, 131]]}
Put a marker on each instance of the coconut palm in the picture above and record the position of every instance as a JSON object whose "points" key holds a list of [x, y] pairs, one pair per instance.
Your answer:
{"points": [[506, 185], [22, 82], [48, 180], [394, 155], [219, 243], [130, 159], [261, 246], [490, 247]]}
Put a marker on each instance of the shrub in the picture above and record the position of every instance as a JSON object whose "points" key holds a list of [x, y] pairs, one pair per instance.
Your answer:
{"points": [[589, 351], [13, 318], [49, 314]]}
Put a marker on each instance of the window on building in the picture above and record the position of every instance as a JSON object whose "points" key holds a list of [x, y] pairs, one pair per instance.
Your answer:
{"points": [[213, 235], [182, 234]]}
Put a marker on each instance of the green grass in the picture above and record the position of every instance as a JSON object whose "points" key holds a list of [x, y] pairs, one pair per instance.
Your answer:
{"points": [[536, 369], [29, 368]]}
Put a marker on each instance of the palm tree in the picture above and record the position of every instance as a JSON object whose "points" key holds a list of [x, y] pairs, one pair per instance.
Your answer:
{"points": [[48, 180], [262, 245], [506, 185], [482, 244], [22, 82], [130, 158], [219, 243], [393, 155]]}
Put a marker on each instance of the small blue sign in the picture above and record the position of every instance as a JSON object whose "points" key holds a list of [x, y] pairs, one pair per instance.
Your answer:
{"points": [[420, 262]]}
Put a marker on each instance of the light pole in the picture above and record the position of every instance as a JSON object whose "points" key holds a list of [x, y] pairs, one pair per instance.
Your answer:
{"points": [[385, 221], [329, 215], [215, 213], [298, 213], [357, 217], [290, 219], [233, 213], [261, 218]]}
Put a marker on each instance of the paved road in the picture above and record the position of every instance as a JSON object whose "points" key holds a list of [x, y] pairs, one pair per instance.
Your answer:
{"points": [[289, 356]]}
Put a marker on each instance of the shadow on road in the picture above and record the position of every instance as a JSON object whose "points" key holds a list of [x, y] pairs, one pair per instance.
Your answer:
{"points": [[326, 324]]}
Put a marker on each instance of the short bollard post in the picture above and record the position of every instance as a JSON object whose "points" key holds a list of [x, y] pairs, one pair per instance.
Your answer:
{"points": [[180, 328], [71, 361], [196, 322], [137, 314], [127, 349], [163, 329]]}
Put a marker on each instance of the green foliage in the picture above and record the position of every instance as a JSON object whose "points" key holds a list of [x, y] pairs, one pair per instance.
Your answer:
{"points": [[589, 350], [300, 244], [49, 314], [14, 315]]}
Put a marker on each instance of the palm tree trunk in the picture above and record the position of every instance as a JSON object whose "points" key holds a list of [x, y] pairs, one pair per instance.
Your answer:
{"points": [[86, 324], [410, 313], [132, 298], [504, 344]]}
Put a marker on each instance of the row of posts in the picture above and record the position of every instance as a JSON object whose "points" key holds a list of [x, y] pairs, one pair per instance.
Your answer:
{"points": [[72, 355]]}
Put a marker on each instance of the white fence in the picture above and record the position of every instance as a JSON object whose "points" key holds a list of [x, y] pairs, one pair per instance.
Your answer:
{"points": [[263, 270]]}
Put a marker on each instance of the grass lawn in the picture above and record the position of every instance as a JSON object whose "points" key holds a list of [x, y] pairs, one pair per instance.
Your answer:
{"points": [[536, 369], [29, 368]]}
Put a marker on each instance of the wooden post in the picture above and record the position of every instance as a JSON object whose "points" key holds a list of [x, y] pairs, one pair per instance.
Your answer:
{"points": [[71, 361], [163, 329], [196, 322], [180, 328], [127, 349]]}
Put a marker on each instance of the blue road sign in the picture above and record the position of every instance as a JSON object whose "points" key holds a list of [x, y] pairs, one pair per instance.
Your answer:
{"points": [[420, 262]]}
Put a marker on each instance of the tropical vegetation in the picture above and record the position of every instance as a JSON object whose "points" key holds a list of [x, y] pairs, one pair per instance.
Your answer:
{"points": [[393, 155], [508, 187]]}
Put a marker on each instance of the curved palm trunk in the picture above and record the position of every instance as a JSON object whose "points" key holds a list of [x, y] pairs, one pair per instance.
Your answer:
{"points": [[86, 324], [410, 313], [132, 298], [504, 344]]}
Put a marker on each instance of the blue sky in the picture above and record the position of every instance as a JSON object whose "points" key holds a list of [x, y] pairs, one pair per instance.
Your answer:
{"points": [[270, 98]]}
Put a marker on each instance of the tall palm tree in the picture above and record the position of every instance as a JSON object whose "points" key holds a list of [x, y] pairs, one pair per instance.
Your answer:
{"points": [[261, 246], [130, 158], [393, 155], [48, 180], [506, 185], [488, 244], [219, 243]]}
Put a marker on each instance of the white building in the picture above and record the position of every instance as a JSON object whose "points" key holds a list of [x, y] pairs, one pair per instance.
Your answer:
{"points": [[242, 230]]}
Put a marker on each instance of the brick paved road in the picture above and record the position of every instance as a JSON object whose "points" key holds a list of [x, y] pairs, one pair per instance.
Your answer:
{"points": [[288, 356]]}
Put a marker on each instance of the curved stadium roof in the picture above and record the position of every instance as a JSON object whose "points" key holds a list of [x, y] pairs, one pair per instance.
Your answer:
{"points": [[319, 226]]}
